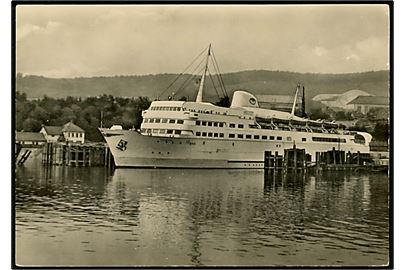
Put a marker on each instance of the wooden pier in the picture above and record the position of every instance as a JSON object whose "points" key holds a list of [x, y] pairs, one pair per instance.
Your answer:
{"points": [[340, 160], [296, 160], [273, 162], [293, 159], [77, 155]]}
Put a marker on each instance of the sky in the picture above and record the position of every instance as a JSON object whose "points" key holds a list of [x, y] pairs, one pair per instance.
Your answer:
{"points": [[93, 40]]}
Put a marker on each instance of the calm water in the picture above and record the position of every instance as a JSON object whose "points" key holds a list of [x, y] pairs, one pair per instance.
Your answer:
{"points": [[89, 216]]}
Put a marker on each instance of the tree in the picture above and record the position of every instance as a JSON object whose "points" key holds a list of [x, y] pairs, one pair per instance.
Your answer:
{"points": [[21, 96], [381, 131], [318, 113], [67, 115], [377, 113], [22, 109], [31, 124], [40, 114], [340, 115], [141, 103]]}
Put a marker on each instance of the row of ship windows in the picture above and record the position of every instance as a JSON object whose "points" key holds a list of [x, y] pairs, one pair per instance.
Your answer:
{"points": [[325, 139], [164, 108], [198, 123], [210, 124], [163, 121], [167, 108], [162, 131], [241, 136], [217, 124]]}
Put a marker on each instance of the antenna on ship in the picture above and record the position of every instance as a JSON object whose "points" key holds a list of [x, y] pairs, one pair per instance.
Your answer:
{"points": [[295, 100], [201, 88]]}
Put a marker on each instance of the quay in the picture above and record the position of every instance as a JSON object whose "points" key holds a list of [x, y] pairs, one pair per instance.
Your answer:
{"points": [[77, 155], [297, 160]]}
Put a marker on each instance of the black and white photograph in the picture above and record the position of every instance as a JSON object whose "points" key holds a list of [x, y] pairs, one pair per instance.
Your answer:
{"points": [[202, 135]]}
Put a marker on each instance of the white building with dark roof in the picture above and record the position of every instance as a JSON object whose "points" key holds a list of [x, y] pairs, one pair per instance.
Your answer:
{"points": [[52, 133], [69, 132], [365, 104], [73, 133]]}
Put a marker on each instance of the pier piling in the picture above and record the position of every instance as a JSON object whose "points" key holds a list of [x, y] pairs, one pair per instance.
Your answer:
{"points": [[76, 155], [296, 160]]}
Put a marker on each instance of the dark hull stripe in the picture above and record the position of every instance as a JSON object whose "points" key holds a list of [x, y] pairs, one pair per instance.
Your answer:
{"points": [[244, 161]]}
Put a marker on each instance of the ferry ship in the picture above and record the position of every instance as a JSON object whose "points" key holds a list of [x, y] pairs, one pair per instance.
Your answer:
{"points": [[198, 134]]}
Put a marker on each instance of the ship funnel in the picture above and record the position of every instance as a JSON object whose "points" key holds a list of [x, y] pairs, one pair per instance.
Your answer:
{"points": [[244, 99]]}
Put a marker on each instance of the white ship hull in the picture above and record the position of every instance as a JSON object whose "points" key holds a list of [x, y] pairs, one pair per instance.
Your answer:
{"points": [[132, 149]]}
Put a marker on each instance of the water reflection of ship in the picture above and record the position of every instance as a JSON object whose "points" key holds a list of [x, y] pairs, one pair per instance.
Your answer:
{"points": [[217, 202], [221, 204]]}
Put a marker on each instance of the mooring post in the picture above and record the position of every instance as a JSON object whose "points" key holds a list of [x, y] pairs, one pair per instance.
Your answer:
{"points": [[317, 161], [91, 151], [105, 156], [76, 156], [47, 153], [69, 156], [51, 153], [285, 161], [276, 158], [109, 157], [358, 157], [327, 157], [267, 155], [343, 157]]}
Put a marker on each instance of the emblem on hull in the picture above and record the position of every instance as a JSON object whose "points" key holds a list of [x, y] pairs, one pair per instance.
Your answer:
{"points": [[122, 145]]}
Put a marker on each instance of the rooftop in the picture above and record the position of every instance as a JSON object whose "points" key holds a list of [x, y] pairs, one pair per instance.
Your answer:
{"points": [[370, 100], [70, 127], [53, 130], [30, 136], [341, 99]]}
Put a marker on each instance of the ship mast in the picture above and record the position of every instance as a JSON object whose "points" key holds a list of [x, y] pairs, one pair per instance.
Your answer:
{"points": [[295, 100], [201, 88], [303, 113]]}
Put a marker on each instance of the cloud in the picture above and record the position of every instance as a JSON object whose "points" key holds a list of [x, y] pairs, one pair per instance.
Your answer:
{"points": [[352, 56], [144, 39], [25, 30], [28, 29], [319, 51]]}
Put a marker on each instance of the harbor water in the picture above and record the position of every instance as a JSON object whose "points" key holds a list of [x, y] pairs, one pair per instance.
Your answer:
{"points": [[143, 217]]}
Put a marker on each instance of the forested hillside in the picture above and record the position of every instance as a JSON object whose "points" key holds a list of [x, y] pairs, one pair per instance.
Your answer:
{"points": [[256, 81], [121, 99]]}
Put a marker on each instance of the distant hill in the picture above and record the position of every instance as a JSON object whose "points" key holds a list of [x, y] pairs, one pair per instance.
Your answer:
{"points": [[256, 81]]}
